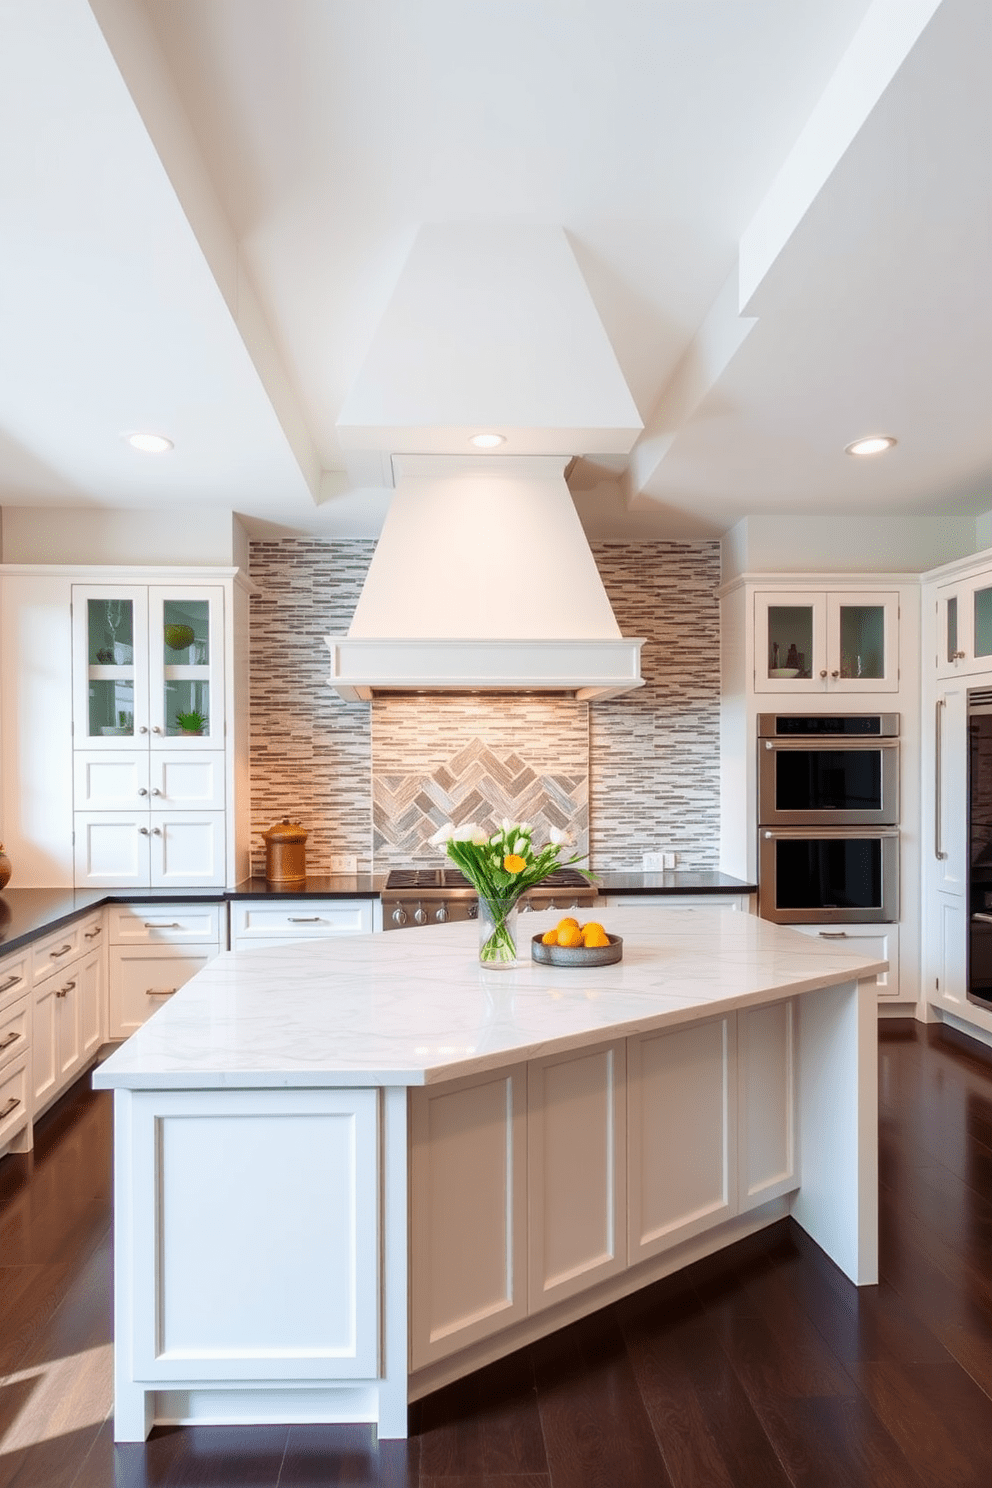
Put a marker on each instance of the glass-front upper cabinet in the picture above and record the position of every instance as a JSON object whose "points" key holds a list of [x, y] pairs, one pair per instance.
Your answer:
{"points": [[147, 667], [186, 666], [830, 642], [964, 626]]}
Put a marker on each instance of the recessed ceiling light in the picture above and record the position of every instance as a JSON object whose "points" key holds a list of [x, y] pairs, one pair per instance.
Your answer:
{"points": [[487, 441], [148, 444], [873, 444]]}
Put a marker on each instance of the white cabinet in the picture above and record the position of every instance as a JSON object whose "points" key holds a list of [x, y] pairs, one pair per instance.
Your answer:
{"points": [[258, 922], [148, 666], [156, 849], [830, 642], [150, 768], [964, 625], [881, 941], [672, 901], [154, 950], [67, 1018], [15, 1051]]}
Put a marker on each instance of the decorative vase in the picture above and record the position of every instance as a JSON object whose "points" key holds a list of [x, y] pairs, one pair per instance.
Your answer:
{"points": [[498, 932]]}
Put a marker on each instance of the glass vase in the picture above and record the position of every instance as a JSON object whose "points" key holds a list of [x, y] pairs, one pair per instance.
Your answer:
{"points": [[498, 932]]}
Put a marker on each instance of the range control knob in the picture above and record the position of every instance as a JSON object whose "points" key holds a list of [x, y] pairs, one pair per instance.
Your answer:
{"points": [[420, 915], [473, 910], [399, 915], [441, 914]]}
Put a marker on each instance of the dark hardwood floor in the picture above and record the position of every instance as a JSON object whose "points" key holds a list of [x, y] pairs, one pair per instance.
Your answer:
{"points": [[762, 1367]]}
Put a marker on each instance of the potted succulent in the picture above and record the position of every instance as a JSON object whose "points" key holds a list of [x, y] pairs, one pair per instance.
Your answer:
{"points": [[191, 722]]}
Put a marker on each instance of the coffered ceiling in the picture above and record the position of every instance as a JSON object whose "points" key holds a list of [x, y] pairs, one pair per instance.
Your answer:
{"points": [[782, 212]]}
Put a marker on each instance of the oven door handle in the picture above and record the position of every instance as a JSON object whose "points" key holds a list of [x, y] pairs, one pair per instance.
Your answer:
{"points": [[938, 826]]}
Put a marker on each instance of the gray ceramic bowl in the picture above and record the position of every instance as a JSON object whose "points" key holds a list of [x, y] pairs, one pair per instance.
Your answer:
{"points": [[550, 955]]}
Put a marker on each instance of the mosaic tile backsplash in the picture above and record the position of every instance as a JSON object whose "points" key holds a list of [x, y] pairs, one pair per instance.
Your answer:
{"points": [[444, 759], [637, 774]]}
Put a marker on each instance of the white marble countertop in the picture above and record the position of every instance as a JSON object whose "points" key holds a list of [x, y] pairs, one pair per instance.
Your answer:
{"points": [[414, 1007]]}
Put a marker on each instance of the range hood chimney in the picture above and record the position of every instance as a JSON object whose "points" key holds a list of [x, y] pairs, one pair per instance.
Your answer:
{"points": [[483, 578]]}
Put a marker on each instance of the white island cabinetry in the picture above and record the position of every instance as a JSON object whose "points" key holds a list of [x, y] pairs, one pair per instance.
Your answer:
{"points": [[494, 1148]]}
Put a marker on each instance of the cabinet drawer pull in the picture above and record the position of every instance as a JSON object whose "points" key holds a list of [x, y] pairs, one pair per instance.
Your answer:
{"points": [[307, 920], [10, 1039], [92, 934], [155, 925], [11, 981], [833, 934], [54, 955], [160, 991], [11, 1105], [64, 991]]}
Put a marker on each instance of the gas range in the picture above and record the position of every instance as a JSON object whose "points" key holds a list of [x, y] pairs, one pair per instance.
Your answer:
{"points": [[428, 896]]}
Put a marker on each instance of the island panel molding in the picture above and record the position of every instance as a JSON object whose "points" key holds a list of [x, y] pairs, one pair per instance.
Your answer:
{"points": [[375, 1019]]}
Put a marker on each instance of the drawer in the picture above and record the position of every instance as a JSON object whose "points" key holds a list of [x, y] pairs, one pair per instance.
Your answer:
{"points": [[15, 977], [299, 919], [13, 1099], [15, 1031], [56, 951], [166, 924]]}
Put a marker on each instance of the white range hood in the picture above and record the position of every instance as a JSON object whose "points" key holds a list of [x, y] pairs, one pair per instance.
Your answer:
{"points": [[483, 579]]}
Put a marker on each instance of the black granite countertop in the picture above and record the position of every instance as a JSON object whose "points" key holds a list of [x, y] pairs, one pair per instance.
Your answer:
{"points": [[315, 886], [673, 881], [26, 914]]}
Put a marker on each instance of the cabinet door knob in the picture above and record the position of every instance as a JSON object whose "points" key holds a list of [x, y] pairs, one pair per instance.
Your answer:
{"points": [[156, 791], [156, 729], [156, 831], [143, 729], [64, 991], [144, 831], [824, 672], [835, 674], [142, 791]]}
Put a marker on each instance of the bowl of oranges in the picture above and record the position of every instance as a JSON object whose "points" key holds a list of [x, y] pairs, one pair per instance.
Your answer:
{"points": [[572, 944]]}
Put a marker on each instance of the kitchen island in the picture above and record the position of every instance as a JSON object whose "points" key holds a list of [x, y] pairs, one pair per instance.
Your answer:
{"points": [[348, 1173]]}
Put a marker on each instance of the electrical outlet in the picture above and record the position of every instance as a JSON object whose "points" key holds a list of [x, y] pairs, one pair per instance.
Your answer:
{"points": [[344, 863], [652, 862], [669, 860]]}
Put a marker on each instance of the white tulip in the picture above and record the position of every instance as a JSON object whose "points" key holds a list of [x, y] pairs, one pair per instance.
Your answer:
{"points": [[560, 838], [520, 846], [466, 833], [442, 835], [479, 839]]}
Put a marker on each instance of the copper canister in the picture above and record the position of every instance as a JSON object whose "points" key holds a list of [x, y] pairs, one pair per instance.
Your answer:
{"points": [[285, 853]]}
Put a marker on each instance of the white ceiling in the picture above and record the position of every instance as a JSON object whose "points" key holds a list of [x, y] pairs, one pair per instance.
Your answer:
{"points": [[783, 213]]}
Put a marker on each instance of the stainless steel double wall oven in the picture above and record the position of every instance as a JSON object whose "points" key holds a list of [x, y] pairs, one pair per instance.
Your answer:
{"points": [[828, 817]]}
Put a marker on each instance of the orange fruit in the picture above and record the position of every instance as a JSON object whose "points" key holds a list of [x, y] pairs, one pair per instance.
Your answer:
{"points": [[594, 926], [550, 937], [568, 923], [595, 936], [570, 935]]}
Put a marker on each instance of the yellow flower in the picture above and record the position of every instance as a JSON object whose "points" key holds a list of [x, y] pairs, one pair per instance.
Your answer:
{"points": [[513, 863]]}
